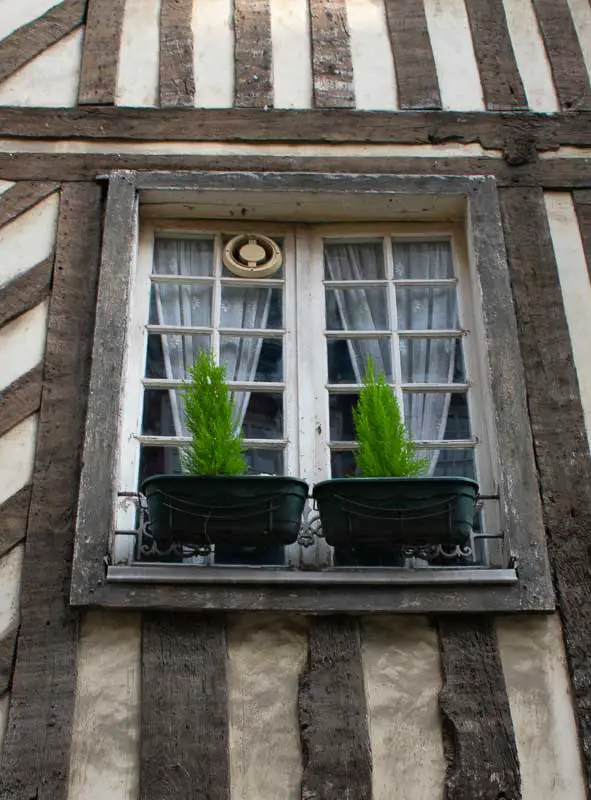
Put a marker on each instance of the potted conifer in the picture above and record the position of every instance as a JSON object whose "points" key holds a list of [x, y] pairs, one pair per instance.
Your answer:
{"points": [[215, 501], [393, 505]]}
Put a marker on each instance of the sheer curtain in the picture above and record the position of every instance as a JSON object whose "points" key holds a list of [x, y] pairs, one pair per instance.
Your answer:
{"points": [[190, 305], [418, 308]]}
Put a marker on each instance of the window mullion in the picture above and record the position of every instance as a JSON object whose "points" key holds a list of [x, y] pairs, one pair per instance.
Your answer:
{"points": [[216, 311], [395, 339]]}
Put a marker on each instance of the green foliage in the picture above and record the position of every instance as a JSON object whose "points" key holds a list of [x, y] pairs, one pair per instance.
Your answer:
{"points": [[216, 446], [385, 448]]}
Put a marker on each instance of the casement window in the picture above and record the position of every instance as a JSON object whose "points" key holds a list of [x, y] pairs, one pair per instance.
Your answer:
{"points": [[295, 346], [410, 272]]}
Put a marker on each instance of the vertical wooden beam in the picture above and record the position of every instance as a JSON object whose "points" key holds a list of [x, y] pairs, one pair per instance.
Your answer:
{"points": [[32, 39], [177, 81], [36, 751], [184, 717], [478, 736], [582, 200], [100, 54], [560, 440], [499, 74], [333, 714], [332, 67], [564, 52], [253, 85], [416, 74]]}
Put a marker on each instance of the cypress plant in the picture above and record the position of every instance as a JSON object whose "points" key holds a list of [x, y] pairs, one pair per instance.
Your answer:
{"points": [[385, 447], [216, 446]]}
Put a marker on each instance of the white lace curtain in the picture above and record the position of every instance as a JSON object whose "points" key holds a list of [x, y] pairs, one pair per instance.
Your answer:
{"points": [[190, 305], [424, 360]]}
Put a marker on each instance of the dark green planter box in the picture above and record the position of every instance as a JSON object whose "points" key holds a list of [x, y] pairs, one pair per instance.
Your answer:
{"points": [[386, 514], [238, 511]]}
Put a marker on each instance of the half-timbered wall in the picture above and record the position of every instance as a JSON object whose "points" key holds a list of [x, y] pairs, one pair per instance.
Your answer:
{"points": [[108, 705]]}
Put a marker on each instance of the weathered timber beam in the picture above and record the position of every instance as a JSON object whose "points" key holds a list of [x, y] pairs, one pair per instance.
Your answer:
{"points": [[492, 130]]}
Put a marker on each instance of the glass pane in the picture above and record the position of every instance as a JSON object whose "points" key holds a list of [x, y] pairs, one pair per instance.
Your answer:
{"points": [[342, 464], [171, 356], [251, 308], [354, 261], [347, 357], [422, 260], [267, 462], [186, 257], [450, 462], [422, 308], [251, 358], [432, 361], [341, 417], [180, 304], [264, 414], [437, 415], [157, 461], [357, 309], [163, 413]]}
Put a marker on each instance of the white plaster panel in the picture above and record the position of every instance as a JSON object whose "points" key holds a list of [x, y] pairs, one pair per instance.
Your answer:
{"points": [[17, 453], [5, 186], [374, 76], [237, 148], [10, 587], [292, 54], [16, 14], [265, 657], [581, 13], [50, 80], [4, 704], [138, 69], [576, 288], [22, 344], [213, 53], [530, 55], [537, 682], [401, 667], [28, 239], [451, 41], [104, 757]]}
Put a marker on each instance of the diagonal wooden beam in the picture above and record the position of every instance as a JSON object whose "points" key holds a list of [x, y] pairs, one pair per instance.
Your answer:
{"points": [[7, 658], [23, 196], [14, 513], [33, 38], [100, 53], [26, 291], [21, 399]]}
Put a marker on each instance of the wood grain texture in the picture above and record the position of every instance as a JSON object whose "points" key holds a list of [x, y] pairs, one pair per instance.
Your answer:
{"points": [[35, 754], [97, 484], [564, 52], [7, 658], [23, 196], [26, 291], [177, 81], [499, 73], [416, 74], [100, 54], [333, 715], [27, 42], [478, 736], [21, 399], [491, 130], [253, 84], [560, 440], [332, 67], [567, 173], [184, 717], [582, 200], [14, 513]]}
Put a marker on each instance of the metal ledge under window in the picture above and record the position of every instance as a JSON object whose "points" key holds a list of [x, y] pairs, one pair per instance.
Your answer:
{"points": [[386, 576]]}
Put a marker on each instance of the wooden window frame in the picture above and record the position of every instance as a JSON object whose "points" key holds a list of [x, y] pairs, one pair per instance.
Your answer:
{"points": [[95, 583]]}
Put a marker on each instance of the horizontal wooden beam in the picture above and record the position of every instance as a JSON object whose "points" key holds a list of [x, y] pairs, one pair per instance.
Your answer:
{"points": [[490, 129], [566, 173]]}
